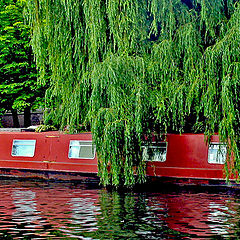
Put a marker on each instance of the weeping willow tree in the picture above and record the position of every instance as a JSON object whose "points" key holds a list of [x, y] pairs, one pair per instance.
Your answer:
{"points": [[127, 68]]}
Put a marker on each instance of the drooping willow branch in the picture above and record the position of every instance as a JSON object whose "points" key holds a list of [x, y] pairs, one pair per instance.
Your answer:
{"points": [[128, 68]]}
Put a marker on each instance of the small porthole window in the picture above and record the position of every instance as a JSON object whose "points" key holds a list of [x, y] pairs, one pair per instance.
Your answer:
{"points": [[156, 152], [217, 153], [81, 149], [23, 148]]}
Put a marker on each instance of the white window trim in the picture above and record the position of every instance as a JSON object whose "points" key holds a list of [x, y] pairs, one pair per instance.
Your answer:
{"points": [[156, 146], [84, 141], [34, 140], [217, 143]]}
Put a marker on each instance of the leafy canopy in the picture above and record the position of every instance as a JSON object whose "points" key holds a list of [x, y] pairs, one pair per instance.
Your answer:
{"points": [[18, 79], [132, 67]]}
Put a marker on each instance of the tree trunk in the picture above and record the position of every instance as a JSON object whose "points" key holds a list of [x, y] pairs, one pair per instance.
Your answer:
{"points": [[15, 118], [27, 117]]}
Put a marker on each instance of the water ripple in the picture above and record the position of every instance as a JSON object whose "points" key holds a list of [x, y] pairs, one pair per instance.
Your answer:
{"points": [[41, 210]]}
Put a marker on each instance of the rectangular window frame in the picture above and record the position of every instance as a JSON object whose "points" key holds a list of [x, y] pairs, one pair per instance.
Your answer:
{"points": [[225, 150], [156, 145], [83, 141], [24, 140]]}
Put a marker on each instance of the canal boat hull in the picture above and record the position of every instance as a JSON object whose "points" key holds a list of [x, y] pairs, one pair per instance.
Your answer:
{"points": [[50, 159], [186, 158]]}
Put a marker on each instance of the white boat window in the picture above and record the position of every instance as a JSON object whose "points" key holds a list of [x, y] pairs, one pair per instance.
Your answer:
{"points": [[23, 148], [156, 152], [81, 149], [217, 153]]}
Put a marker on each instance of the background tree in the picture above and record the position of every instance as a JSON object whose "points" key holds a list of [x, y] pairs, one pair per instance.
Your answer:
{"points": [[19, 89], [132, 67]]}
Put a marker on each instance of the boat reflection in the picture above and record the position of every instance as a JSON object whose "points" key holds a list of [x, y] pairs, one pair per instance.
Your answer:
{"points": [[199, 214], [40, 210], [25, 208]]}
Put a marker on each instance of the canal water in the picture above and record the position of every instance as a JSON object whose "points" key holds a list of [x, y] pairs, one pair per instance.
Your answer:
{"points": [[57, 210]]}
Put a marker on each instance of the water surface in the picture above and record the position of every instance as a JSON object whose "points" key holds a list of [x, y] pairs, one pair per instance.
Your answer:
{"points": [[46, 210]]}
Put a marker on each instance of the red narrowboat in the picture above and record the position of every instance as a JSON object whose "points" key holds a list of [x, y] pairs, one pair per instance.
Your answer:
{"points": [[50, 155], [187, 159], [54, 155]]}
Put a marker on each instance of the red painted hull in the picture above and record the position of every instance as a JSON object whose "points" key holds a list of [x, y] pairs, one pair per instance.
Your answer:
{"points": [[50, 160], [187, 158]]}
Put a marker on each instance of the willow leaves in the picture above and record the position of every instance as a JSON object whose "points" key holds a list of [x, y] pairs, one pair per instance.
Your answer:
{"points": [[127, 68]]}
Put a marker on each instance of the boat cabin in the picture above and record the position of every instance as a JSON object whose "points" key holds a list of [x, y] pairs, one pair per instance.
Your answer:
{"points": [[186, 156], [69, 156], [40, 154]]}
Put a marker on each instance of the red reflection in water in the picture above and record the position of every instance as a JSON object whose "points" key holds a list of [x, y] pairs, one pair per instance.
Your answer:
{"points": [[74, 210], [196, 214], [58, 207]]}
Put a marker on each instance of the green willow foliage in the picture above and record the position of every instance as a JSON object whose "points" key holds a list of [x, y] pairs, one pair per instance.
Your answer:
{"points": [[128, 68]]}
